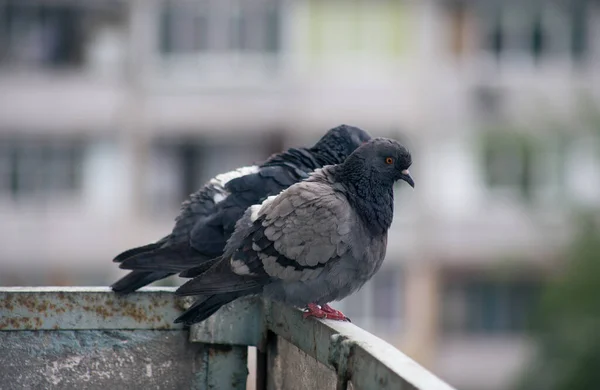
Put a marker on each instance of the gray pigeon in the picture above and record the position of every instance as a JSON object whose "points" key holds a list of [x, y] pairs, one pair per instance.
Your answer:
{"points": [[318, 241], [208, 218]]}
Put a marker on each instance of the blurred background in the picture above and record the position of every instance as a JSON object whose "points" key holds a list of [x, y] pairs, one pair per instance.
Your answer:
{"points": [[113, 111]]}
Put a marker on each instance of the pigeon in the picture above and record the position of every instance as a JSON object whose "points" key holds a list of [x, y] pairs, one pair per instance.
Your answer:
{"points": [[316, 242], [207, 219]]}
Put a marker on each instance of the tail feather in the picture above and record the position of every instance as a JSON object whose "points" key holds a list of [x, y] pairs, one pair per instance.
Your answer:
{"points": [[219, 282], [204, 308], [171, 259], [140, 249], [199, 269], [135, 280]]}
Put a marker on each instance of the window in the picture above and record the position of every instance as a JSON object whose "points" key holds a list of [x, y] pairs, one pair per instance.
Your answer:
{"points": [[495, 37], [508, 163], [220, 26], [480, 305], [50, 34], [538, 37], [40, 169], [579, 31], [377, 306], [520, 31]]}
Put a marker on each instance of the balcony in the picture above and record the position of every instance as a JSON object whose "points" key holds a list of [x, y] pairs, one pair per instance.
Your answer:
{"points": [[89, 338]]}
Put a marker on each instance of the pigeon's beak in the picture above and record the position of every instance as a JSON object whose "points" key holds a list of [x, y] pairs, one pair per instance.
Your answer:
{"points": [[408, 178]]}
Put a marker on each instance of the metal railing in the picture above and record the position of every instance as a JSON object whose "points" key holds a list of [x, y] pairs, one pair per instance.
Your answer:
{"points": [[90, 338]]}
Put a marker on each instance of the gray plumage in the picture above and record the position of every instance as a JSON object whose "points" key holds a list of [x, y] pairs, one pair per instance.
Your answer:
{"points": [[208, 218], [317, 241]]}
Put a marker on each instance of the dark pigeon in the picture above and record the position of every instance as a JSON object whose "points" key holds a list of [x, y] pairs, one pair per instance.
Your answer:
{"points": [[208, 217], [316, 242]]}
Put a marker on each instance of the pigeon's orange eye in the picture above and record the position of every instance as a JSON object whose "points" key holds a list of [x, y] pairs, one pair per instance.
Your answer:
{"points": [[389, 160]]}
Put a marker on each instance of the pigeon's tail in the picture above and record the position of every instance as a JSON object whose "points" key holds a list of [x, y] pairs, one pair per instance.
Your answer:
{"points": [[136, 279], [205, 307], [138, 250], [218, 286], [171, 259], [199, 269]]}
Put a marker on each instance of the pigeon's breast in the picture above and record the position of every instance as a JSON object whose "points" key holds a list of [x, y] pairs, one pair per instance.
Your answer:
{"points": [[340, 278]]}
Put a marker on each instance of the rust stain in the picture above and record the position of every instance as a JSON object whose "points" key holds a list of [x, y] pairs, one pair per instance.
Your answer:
{"points": [[17, 323], [42, 307], [103, 312], [7, 303], [164, 327], [217, 350], [51, 306], [26, 301], [32, 304]]}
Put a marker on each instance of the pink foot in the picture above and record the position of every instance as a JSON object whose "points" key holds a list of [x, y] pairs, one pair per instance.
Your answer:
{"points": [[325, 311]]}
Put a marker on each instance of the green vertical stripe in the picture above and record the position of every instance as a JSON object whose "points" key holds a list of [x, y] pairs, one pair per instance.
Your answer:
{"points": [[398, 28], [315, 28]]}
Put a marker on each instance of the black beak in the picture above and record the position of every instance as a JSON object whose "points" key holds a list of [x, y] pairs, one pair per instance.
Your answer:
{"points": [[408, 178]]}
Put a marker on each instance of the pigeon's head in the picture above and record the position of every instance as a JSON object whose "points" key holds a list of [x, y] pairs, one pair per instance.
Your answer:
{"points": [[338, 143], [385, 159]]}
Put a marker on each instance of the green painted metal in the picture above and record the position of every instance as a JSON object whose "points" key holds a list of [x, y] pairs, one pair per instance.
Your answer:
{"points": [[356, 355], [222, 367], [91, 338], [93, 327], [238, 323]]}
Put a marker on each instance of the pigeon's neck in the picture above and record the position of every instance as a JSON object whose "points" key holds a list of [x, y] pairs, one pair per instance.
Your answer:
{"points": [[301, 158], [372, 199]]}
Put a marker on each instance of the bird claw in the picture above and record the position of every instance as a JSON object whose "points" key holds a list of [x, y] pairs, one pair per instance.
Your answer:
{"points": [[325, 312]]}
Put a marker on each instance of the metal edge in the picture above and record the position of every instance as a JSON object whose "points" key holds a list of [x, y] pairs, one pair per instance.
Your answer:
{"points": [[365, 356]]}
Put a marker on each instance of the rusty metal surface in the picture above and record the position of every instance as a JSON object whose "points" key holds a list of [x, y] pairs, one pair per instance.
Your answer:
{"points": [[90, 338], [75, 308], [98, 359]]}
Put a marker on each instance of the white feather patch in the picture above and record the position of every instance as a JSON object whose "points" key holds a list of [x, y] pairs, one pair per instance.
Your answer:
{"points": [[254, 212], [224, 178], [257, 208], [219, 196], [219, 181], [239, 267]]}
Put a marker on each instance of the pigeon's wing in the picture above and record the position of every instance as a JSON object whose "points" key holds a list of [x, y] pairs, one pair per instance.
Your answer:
{"points": [[203, 203], [290, 237], [267, 181], [296, 236], [210, 234]]}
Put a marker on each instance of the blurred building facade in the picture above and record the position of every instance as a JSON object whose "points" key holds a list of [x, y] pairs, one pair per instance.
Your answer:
{"points": [[113, 111]]}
